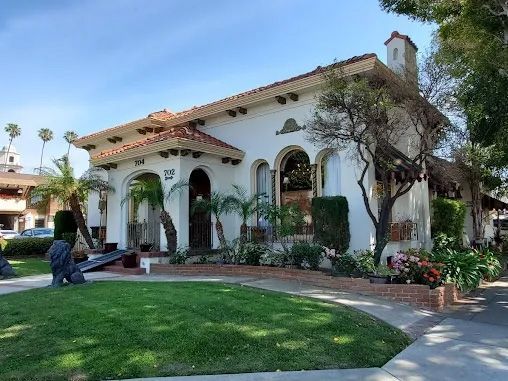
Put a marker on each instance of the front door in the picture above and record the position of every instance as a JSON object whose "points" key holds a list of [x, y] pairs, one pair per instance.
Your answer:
{"points": [[200, 224]]}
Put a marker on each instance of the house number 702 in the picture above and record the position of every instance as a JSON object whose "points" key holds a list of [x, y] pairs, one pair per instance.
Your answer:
{"points": [[139, 162]]}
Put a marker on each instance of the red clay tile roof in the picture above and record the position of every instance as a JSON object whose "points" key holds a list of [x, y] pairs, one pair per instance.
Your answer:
{"points": [[317, 70], [403, 36], [165, 115], [188, 133]]}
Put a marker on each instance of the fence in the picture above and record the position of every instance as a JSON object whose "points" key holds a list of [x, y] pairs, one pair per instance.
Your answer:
{"points": [[141, 232], [403, 231], [200, 235], [268, 234]]}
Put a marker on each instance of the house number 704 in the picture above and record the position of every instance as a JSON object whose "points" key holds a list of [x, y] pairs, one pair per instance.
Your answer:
{"points": [[139, 162]]}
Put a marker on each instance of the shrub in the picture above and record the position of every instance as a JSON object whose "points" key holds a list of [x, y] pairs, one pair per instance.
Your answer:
{"points": [[20, 247], [345, 264], [273, 258], [331, 224], [307, 255], [490, 265], [460, 267], [448, 218], [179, 257], [70, 238], [365, 261], [64, 223], [251, 253]]}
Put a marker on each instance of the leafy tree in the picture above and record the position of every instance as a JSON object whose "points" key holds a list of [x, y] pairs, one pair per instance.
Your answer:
{"points": [[155, 194], [69, 137], [218, 204], [245, 206], [71, 192], [370, 118], [46, 135], [13, 130], [473, 43]]}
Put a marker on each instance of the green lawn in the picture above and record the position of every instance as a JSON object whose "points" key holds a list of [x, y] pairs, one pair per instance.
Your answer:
{"points": [[30, 266], [137, 329]]}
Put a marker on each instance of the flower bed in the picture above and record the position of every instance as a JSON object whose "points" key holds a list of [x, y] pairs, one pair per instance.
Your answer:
{"points": [[417, 295]]}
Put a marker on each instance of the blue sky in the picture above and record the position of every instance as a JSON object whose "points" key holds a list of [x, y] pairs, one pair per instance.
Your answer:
{"points": [[91, 64]]}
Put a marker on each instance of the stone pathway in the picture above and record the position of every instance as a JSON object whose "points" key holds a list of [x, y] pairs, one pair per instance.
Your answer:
{"points": [[467, 343]]}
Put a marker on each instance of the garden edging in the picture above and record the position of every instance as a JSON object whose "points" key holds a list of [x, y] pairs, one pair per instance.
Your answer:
{"points": [[416, 295]]}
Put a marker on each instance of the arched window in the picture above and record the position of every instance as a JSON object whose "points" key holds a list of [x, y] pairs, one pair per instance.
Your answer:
{"points": [[263, 187], [330, 175], [395, 54]]}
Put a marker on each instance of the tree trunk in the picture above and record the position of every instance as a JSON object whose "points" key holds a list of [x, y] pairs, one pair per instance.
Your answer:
{"points": [[382, 230], [80, 220], [42, 155], [7, 155], [220, 234], [169, 231], [243, 233], [68, 149], [476, 211]]}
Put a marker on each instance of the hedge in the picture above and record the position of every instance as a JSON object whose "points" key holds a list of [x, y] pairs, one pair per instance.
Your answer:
{"points": [[19, 247], [64, 223], [448, 217], [331, 223]]}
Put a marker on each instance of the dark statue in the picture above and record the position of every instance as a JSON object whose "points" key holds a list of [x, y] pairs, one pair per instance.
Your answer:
{"points": [[6, 270], [62, 264]]}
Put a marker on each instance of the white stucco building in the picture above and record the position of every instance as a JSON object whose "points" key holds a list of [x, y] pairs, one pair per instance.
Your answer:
{"points": [[255, 139]]}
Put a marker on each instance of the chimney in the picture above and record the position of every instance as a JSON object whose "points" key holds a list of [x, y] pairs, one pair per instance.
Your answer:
{"points": [[401, 52]]}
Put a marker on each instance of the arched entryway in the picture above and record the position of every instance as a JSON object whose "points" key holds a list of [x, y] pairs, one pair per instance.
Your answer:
{"points": [[143, 224], [200, 223], [296, 180]]}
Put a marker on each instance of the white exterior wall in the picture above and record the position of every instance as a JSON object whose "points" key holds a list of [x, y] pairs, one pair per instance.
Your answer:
{"points": [[255, 134]]}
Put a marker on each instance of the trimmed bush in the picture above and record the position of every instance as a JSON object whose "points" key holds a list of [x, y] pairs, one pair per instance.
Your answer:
{"points": [[448, 218], [64, 223], [331, 223], [70, 238], [307, 254], [20, 247]]}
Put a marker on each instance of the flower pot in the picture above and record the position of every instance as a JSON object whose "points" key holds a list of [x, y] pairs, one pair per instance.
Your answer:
{"points": [[80, 259], [145, 247], [110, 246], [379, 279], [129, 261]]}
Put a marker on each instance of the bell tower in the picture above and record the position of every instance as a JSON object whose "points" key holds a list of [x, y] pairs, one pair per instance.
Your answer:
{"points": [[401, 51]]}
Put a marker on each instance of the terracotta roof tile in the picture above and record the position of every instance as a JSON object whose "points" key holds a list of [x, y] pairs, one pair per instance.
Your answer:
{"points": [[317, 70], [165, 115], [403, 36], [188, 133]]}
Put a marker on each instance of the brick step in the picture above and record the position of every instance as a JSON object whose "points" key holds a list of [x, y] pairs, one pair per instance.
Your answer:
{"points": [[118, 268]]}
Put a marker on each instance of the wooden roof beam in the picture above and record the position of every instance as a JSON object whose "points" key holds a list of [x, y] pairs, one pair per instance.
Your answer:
{"points": [[293, 96], [231, 113], [280, 99], [242, 110]]}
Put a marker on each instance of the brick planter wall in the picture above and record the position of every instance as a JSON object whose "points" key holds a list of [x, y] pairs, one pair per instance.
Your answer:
{"points": [[413, 294]]}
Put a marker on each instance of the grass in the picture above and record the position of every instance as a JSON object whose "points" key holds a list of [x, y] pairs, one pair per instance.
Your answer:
{"points": [[30, 266], [107, 330]]}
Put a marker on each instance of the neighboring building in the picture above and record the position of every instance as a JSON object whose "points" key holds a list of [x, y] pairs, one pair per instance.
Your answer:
{"points": [[18, 210], [10, 159], [254, 139]]}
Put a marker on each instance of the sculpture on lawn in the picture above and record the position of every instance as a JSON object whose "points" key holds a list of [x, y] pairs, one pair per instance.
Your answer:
{"points": [[62, 264], [6, 270]]}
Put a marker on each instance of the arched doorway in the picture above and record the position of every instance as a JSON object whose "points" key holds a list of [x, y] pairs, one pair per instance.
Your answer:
{"points": [[296, 180], [143, 224], [200, 223]]}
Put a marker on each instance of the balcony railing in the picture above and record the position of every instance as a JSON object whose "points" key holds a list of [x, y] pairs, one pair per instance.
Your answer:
{"points": [[403, 231], [268, 234]]}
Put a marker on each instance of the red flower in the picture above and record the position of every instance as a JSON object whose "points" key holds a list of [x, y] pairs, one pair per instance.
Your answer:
{"points": [[431, 279]]}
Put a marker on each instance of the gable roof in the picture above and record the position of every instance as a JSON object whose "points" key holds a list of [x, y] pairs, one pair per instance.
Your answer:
{"points": [[165, 116]]}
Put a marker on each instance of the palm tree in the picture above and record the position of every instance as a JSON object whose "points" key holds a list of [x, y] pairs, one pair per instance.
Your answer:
{"points": [[71, 192], [46, 135], [154, 193], [69, 137], [218, 204], [245, 206], [14, 131]]}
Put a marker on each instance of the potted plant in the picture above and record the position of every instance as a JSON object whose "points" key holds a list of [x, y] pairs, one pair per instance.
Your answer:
{"points": [[79, 256], [129, 260], [382, 274], [145, 247], [110, 246]]}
